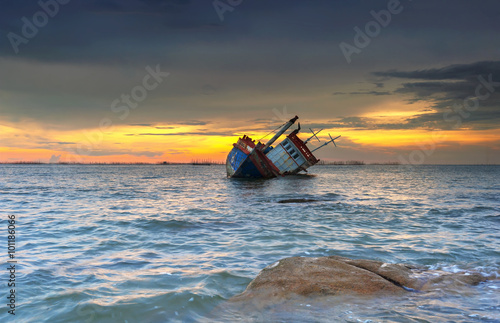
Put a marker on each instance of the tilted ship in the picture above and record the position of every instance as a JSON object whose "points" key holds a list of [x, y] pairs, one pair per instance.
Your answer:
{"points": [[248, 159]]}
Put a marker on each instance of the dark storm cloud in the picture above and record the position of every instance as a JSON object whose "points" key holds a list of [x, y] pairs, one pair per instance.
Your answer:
{"points": [[451, 72], [363, 93], [276, 48], [141, 6], [193, 123], [128, 31], [424, 90], [362, 123], [463, 95], [132, 31], [98, 31], [91, 52]]}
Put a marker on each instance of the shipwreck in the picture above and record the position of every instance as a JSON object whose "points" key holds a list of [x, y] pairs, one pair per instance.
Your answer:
{"points": [[291, 156]]}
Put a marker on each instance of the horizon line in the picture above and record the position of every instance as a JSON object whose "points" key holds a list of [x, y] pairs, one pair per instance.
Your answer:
{"points": [[202, 163]]}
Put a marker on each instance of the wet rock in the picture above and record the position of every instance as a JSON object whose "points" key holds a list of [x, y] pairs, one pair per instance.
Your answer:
{"points": [[324, 276]]}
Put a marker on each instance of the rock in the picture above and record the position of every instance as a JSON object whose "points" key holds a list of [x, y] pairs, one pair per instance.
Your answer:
{"points": [[324, 276]]}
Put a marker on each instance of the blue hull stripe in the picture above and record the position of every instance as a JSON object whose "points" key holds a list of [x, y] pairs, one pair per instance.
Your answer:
{"points": [[241, 164]]}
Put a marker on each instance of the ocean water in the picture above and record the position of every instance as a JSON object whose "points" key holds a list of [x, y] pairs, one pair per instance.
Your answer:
{"points": [[173, 243]]}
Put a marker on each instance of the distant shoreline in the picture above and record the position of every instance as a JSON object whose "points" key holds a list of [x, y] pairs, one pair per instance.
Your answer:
{"points": [[335, 163], [112, 163]]}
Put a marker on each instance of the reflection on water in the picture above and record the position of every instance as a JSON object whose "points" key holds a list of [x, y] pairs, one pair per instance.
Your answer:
{"points": [[167, 243]]}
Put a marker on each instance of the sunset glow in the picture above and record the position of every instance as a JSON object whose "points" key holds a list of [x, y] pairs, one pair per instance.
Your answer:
{"points": [[160, 143], [184, 88]]}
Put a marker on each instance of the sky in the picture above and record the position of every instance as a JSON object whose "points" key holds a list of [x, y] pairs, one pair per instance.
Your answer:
{"points": [[414, 82]]}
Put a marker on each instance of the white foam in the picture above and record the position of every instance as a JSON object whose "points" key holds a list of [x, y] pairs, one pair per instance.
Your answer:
{"points": [[271, 266]]}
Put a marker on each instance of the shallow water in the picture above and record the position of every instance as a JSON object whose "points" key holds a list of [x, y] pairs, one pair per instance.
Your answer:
{"points": [[173, 243]]}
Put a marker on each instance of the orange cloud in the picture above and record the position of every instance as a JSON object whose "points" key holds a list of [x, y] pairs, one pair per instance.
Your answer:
{"points": [[212, 141]]}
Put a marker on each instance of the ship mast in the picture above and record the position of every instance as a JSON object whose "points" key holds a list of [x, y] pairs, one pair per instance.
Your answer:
{"points": [[326, 143], [279, 133]]}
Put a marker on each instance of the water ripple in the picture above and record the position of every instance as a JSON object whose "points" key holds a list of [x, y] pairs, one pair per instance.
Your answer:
{"points": [[173, 243]]}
